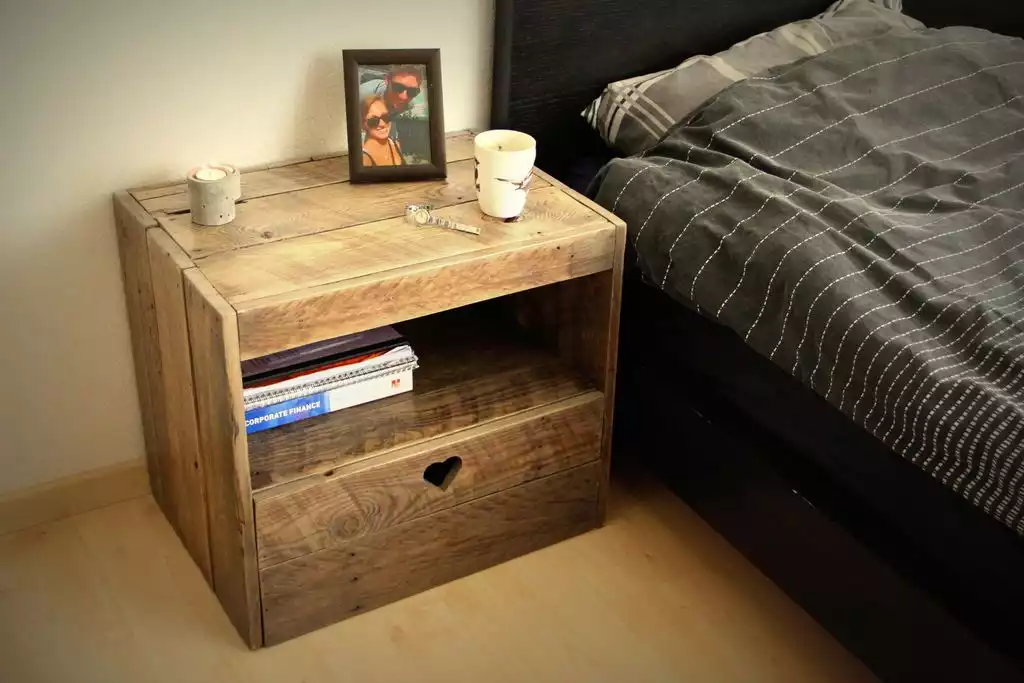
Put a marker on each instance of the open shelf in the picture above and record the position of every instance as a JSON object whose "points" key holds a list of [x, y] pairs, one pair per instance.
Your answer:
{"points": [[475, 365]]}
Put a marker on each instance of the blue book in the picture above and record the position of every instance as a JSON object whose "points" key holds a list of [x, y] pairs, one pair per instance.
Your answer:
{"points": [[388, 382]]}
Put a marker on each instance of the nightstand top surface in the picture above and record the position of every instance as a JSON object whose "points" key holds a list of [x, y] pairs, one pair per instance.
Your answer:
{"points": [[303, 230]]}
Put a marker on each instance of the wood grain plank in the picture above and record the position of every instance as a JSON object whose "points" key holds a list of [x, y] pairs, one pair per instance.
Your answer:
{"points": [[255, 184], [289, 176], [184, 484], [289, 266], [143, 194], [328, 207], [217, 376], [613, 282], [321, 512], [132, 223], [314, 590], [165, 188], [290, 214], [277, 323], [458, 385]]}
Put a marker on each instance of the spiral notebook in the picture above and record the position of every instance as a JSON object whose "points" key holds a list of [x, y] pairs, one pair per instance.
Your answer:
{"points": [[368, 388], [329, 378], [315, 392]]}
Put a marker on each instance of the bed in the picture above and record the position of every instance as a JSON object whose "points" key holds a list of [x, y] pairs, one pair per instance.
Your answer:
{"points": [[763, 416]]}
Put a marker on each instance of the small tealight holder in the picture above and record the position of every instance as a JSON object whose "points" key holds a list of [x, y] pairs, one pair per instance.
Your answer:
{"points": [[212, 193]]}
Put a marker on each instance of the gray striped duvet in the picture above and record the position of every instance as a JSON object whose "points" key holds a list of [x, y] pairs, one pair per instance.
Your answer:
{"points": [[858, 218]]}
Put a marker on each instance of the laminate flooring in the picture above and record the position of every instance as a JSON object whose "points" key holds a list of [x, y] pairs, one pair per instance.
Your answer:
{"points": [[110, 595]]}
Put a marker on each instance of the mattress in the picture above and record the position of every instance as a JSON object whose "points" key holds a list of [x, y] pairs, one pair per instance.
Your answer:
{"points": [[857, 218]]}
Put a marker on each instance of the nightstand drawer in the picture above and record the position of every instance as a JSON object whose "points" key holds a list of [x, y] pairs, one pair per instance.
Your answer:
{"points": [[314, 590], [318, 512]]}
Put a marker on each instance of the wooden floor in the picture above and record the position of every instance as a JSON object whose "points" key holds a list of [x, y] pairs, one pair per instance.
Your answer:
{"points": [[111, 596]]}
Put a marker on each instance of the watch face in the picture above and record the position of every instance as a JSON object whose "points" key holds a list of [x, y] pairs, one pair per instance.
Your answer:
{"points": [[422, 217]]}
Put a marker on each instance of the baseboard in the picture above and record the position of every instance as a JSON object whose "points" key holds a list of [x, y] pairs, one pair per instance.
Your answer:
{"points": [[72, 495]]}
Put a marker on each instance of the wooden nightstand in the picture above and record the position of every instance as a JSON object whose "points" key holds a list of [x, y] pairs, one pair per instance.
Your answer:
{"points": [[516, 330]]}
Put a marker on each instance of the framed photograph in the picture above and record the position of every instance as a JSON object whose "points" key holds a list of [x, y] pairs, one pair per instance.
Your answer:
{"points": [[395, 116]]}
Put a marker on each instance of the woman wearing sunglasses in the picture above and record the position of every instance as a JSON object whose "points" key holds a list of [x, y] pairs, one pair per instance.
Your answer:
{"points": [[379, 148]]}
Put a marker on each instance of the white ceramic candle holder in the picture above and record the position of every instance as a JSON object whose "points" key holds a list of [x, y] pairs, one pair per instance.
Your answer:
{"points": [[212, 193]]}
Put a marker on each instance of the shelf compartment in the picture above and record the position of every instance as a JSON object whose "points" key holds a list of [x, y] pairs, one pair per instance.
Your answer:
{"points": [[473, 369]]}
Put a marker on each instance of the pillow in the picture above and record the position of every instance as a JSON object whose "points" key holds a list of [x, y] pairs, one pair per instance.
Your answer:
{"points": [[633, 114]]}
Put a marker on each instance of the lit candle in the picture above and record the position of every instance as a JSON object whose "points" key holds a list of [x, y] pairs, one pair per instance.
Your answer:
{"points": [[211, 174]]}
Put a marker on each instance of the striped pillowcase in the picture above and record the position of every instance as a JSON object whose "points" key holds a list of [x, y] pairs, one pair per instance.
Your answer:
{"points": [[634, 114]]}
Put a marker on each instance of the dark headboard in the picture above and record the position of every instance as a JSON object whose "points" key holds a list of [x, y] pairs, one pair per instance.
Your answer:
{"points": [[552, 57]]}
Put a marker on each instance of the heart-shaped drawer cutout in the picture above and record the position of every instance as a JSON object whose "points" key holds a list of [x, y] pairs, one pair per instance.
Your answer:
{"points": [[441, 474]]}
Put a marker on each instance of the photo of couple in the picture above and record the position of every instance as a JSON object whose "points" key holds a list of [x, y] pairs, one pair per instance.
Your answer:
{"points": [[394, 115]]}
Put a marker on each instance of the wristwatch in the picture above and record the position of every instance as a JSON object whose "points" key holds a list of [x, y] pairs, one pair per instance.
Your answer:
{"points": [[419, 214]]}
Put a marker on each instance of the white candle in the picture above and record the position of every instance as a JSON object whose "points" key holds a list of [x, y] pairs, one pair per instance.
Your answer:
{"points": [[211, 174]]}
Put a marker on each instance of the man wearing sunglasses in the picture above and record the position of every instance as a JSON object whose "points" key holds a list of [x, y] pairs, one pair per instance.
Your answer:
{"points": [[399, 87]]}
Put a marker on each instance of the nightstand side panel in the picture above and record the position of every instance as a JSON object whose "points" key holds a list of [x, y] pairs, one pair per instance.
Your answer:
{"points": [[217, 375], [132, 223], [182, 469]]}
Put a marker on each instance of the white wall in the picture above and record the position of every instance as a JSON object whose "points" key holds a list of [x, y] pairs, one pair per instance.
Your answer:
{"points": [[102, 95]]}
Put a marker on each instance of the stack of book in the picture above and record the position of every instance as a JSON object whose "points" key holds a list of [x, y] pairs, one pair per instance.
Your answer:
{"points": [[324, 377]]}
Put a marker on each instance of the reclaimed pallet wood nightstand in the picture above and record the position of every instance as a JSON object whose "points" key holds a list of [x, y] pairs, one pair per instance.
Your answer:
{"points": [[516, 330]]}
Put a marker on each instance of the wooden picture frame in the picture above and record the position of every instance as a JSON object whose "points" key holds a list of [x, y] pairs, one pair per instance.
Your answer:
{"points": [[409, 144]]}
